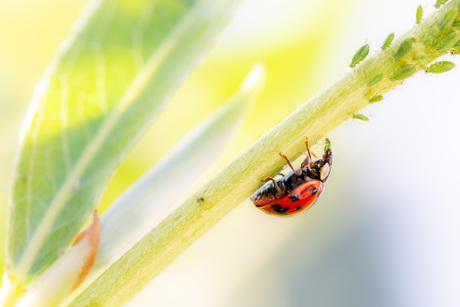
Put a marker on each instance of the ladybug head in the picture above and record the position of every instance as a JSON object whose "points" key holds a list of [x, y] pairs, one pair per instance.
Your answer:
{"points": [[325, 165], [321, 168], [324, 172]]}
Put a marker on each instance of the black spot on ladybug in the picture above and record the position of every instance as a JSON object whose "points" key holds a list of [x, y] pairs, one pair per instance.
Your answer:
{"points": [[313, 191], [279, 208], [298, 208], [294, 197]]}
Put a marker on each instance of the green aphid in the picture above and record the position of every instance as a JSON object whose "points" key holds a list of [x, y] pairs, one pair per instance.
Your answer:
{"points": [[375, 79], [439, 3], [428, 41], [434, 30], [455, 51], [456, 23], [388, 41], [418, 58], [403, 72], [360, 55], [404, 48], [376, 98], [361, 117], [448, 18], [419, 14], [327, 146], [449, 40], [440, 67]]}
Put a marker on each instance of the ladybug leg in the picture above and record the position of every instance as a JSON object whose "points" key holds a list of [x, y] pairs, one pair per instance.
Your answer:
{"points": [[307, 161], [274, 183], [297, 172], [310, 153]]}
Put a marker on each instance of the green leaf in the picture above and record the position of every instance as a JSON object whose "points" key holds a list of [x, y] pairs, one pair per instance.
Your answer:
{"points": [[96, 99], [151, 198]]}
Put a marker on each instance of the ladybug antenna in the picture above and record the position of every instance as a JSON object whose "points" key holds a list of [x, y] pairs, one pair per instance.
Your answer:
{"points": [[308, 161]]}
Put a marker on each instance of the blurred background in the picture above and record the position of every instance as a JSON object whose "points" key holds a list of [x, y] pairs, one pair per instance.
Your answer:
{"points": [[386, 230]]}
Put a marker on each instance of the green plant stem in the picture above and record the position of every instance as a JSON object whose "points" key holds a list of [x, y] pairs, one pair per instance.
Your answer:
{"points": [[239, 179]]}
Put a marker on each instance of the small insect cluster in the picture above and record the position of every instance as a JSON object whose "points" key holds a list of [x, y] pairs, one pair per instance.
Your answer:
{"points": [[299, 189], [409, 56]]}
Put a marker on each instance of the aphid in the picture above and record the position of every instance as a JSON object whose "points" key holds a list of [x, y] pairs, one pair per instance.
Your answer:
{"points": [[428, 41], [420, 57], [200, 200], [440, 67], [376, 98], [404, 48], [439, 3], [361, 117], [419, 14], [455, 51], [388, 41], [448, 18], [360, 55], [299, 189], [375, 79], [434, 30], [403, 72], [456, 23], [449, 40]]}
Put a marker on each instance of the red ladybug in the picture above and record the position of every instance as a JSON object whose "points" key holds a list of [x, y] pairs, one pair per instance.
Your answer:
{"points": [[299, 189]]}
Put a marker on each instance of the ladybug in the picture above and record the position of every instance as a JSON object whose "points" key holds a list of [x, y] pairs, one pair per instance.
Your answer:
{"points": [[299, 189]]}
